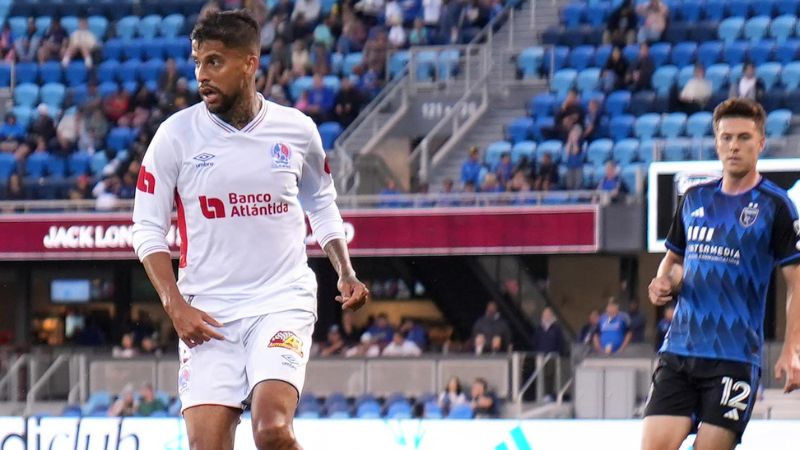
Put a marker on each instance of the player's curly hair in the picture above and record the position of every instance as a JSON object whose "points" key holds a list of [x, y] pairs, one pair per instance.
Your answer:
{"points": [[743, 108], [235, 29]]}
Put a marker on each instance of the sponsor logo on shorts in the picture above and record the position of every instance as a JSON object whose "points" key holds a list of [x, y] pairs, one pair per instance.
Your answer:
{"points": [[290, 361], [288, 340], [183, 379]]}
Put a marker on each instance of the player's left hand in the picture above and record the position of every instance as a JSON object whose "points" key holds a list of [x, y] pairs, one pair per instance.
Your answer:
{"points": [[789, 365], [354, 294]]}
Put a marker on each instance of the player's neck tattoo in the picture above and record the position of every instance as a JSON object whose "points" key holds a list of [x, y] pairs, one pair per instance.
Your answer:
{"points": [[243, 112]]}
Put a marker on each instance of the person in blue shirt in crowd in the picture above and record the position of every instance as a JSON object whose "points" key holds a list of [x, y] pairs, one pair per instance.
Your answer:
{"points": [[727, 237], [471, 169], [663, 325], [613, 333], [612, 182], [320, 100], [381, 331], [11, 129]]}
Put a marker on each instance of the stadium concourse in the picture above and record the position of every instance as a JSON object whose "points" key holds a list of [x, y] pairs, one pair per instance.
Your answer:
{"points": [[507, 172]]}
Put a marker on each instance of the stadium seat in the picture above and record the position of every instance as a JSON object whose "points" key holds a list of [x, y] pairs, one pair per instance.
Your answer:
{"points": [[42, 25], [738, 8], [659, 53], [52, 94], [128, 70], [589, 181], [552, 147], [786, 7], [8, 165], [149, 25], [523, 149], [494, 152], [790, 76], [675, 150], [684, 75], [132, 49], [698, 125], [714, 10], [588, 80], [399, 410], [601, 55], [172, 25], [350, 62], [581, 57], [178, 48], [426, 65], [541, 123], [119, 138], [462, 411], [617, 102], [647, 126], [717, 74], [50, 72], [56, 166], [126, 27], [760, 52], [107, 71], [542, 105], [572, 14], [646, 150], [98, 25], [5, 74], [709, 53], [730, 29], [735, 52], [300, 85], [447, 64], [691, 11], [756, 28], [631, 51], [769, 74], [677, 32], [629, 175], [642, 102], [79, 163], [75, 73], [555, 56], [683, 54], [762, 7], [150, 70], [778, 122], [70, 23], [621, 127], [98, 399], [673, 124], [329, 131], [624, 151], [551, 35], [787, 51], [736, 73], [18, 25], [153, 48], [782, 28], [26, 94], [529, 62], [664, 78], [599, 151], [369, 410], [704, 32], [36, 164], [26, 72], [24, 115], [432, 410], [563, 81]]}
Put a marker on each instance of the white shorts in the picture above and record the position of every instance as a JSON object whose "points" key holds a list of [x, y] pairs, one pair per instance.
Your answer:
{"points": [[274, 346]]}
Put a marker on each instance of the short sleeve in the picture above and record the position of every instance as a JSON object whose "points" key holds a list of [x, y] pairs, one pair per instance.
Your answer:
{"points": [[676, 239], [786, 234]]}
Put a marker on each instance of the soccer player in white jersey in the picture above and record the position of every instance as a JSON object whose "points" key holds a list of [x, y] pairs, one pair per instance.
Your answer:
{"points": [[243, 173]]}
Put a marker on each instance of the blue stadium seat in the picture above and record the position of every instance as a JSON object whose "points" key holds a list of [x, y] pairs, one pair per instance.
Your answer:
{"points": [[552, 147], [52, 94], [601, 55], [153, 48], [98, 25], [782, 27], [588, 80], [36, 164], [787, 51], [132, 49], [769, 73], [8, 165], [703, 32], [426, 65], [684, 75], [42, 25], [172, 25], [332, 82], [399, 410], [646, 149], [529, 62], [786, 6], [599, 151], [761, 52], [494, 152], [736, 73], [5, 74], [79, 94], [75, 73], [581, 57], [127, 26], [70, 23], [691, 11], [589, 181], [128, 70], [432, 410], [664, 78], [624, 151], [50, 72], [762, 7], [660, 53], [629, 175], [756, 28], [24, 115], [300, 85], [26, 72], [683, 54], [523, 149], [677, 32], [738, 8], [369, 410], [542, 105], [119, 138], [735, 52], [99, 161], [551, 35], [462, 411], [709, 53], [730, 29], [617, 102], [647, 126], [518, 130], [329, 131], [18, 25], [778, 122], [179, 48], [98, 399], [698, 125], [790, 76], [675, 150], [107, 71], [631, 51], [150, 70], [642, 102], [26, 94], [673, 124], [351, 61], [56, 166], [447, 64], [563, 81], [149, 25], [717, 74], [557, 56], [79, 163], [113, 49], [572, 14], [621, 127]]}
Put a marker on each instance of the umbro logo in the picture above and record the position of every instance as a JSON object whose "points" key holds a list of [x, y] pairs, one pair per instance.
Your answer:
{"points": [[203, 160], [699, 212], [732, 415]]}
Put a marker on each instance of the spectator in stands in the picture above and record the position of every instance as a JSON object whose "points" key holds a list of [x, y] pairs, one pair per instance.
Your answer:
{"points": [[14, 190], [27, 46], [621, 24], [484, 403], [117, 104], [574, 163], [748, 86], [81, 41], [636, 321], [126, 349], [381, 331], [149, 403], [367, 348], [415, 333], [44, 126], [419, 35], [590, 328], [350, 332], [568, 115], [471, 169], [309, 9], [614, 333], [323, 33], [11, 129], [663, 325], [547, 174], [591, 121], [492, 325], [7, 51], [655, 14], [696, 93], [127, 188], [397, 34], [400, 346], [431, 13], [348, 103], [150, 346], [548, 337], [612, 184], [54, 42], [81, 190], [452, 395], [107, 192], [301, 59], [640, 76], [258, 9], [124, 405], [518, 182], [450, 21], [334, 344], [491, 184], [505, 169], [614, 71], [320, 100]]}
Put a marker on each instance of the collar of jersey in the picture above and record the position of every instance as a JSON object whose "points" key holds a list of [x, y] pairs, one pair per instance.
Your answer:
{"points": [[262, 112], [756, 186]]}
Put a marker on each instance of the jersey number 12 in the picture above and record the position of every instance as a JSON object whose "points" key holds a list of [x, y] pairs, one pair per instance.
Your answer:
{"points": [[741, 390]]}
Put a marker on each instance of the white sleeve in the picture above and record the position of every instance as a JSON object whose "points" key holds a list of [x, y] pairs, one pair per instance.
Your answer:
{"points": [[155, 195], [317, 193]]}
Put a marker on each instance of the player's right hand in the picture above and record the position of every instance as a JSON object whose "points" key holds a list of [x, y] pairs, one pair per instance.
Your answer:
{"points": [[193, 325], [788, 365], [660, 291]]}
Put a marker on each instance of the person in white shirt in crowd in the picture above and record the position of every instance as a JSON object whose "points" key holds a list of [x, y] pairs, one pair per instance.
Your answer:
{"points": [[243, 173], [81, 41], [126, 349], [367, 348], [748, 86], [400, 346], [697, 92], [452, 395]]}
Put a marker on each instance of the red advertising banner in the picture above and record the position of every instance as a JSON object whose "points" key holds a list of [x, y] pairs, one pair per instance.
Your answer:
{"points": [[373, 232]]}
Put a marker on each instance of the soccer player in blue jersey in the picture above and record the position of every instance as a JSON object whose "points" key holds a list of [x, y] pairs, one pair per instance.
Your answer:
{"points": [[725, 240]]}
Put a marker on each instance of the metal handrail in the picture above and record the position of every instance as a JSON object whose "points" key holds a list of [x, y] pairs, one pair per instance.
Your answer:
{"points": [[541, 362], [39, 384], [15, 366]]}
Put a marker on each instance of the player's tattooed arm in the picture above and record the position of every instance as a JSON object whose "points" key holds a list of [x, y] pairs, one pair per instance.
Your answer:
{"points": [[353, 293], [788, 364]]}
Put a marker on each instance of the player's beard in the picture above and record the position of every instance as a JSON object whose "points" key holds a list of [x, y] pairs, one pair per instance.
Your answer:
{"points": [[225, 104]]}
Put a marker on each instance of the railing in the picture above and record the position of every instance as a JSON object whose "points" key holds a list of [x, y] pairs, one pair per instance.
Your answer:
{"points": [[42, 382], [13, 373]]}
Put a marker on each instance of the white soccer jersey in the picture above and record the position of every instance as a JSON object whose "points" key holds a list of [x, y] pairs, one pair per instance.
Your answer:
{"points": [[239, 195]]}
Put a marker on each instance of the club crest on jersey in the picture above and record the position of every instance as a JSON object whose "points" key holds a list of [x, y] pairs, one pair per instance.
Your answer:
{"points": [[749, 215], [287, 340], [281, 156]]}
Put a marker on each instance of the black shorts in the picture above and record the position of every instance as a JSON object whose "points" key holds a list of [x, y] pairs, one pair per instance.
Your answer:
{"points": [[713, 391]]}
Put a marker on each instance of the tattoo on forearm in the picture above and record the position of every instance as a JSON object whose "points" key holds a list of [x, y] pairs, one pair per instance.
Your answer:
{"points": [[338, 255]]}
